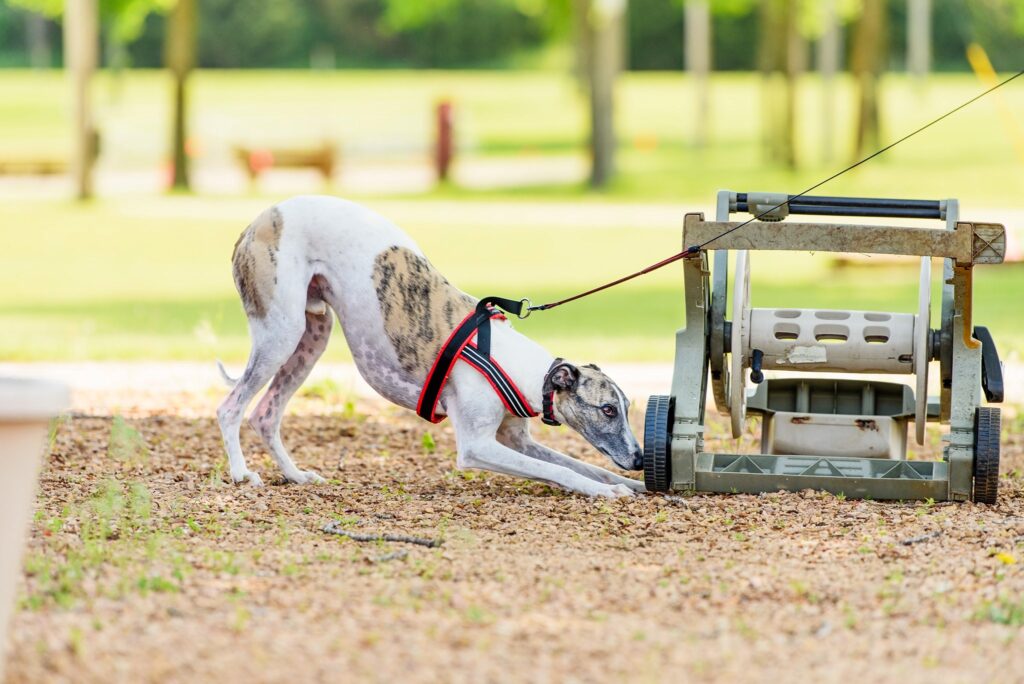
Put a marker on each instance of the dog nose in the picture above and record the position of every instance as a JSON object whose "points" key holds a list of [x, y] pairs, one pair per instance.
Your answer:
{"points": [[638, 460]]}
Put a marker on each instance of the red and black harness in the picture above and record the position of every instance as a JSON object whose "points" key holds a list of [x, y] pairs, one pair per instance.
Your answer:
{"points": [[460, 345]]}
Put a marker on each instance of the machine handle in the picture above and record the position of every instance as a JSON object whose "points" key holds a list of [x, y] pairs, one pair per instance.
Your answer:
{"points": [[756, 361], [991, 367]]}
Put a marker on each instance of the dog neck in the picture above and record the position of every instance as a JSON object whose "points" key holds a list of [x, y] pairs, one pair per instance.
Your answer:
{"points": [[549, 412], [527, 363]]}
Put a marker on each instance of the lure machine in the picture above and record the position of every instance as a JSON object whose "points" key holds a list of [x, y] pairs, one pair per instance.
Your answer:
{"points": [[819, 430]]}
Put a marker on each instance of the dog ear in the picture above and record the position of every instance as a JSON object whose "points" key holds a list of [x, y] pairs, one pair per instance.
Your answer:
{"points": [[565, 376]]}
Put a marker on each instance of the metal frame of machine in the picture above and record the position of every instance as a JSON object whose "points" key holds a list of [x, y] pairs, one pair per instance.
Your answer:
{"points": [[846, 436]]}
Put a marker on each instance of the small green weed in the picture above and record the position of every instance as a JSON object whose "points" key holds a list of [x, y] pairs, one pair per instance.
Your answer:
{"points": [[112, 528], [126, 444], [1002, 611], [325, 390], [429, 445]]}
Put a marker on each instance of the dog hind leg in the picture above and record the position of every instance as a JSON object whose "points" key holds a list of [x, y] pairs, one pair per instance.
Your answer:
{"points": [[273, 343], [266, 417]]}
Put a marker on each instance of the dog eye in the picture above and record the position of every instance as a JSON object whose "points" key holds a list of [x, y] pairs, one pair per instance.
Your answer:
{"points": [[609, 410]]}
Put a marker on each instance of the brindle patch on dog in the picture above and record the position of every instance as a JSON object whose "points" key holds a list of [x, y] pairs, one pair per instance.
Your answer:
{"points": [[254, 261], [420, 307]]}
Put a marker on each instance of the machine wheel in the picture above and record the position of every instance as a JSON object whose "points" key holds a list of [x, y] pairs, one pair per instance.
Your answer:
{"points": [[716, 357], [986, 454], [946, 341], [658, 443]]}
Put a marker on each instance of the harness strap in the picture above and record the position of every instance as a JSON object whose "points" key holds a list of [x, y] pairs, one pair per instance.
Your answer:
{"points": [[426, 407], [506, 390], [459, 345]]}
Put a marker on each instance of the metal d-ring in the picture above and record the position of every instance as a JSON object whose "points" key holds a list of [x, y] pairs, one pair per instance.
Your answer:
{"points": [[526, 310]]}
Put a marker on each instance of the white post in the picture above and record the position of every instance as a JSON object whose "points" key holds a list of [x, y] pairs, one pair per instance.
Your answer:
{"points": [[697, 59]]}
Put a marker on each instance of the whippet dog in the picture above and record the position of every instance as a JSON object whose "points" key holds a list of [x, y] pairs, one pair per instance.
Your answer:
{"points": [[309, 255]]}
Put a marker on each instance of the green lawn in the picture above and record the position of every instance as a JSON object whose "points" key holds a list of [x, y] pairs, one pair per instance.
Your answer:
{"points": [[149, 276], [502, 113]]}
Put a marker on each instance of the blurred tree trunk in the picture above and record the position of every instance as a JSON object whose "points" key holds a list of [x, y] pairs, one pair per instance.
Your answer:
{"points": [[781, 57], [867, 60], [38, 37], [828, 65], [582, 43], [919, 38], [81, 45], [697, 58], [602, 32], [180, 56]]}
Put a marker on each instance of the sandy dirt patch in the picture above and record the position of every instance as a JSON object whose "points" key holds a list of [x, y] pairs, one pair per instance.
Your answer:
{"points": [[145, 564]]}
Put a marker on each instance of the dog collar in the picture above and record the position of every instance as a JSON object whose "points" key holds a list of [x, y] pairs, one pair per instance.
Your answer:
{"points": [[548, 397]]}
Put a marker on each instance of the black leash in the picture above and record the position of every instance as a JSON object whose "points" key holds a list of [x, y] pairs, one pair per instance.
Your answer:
{"points": [[517, 308]]}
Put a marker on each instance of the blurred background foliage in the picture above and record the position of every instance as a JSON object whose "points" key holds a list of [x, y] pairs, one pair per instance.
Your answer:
{"points": [[785, 93], [474, 33]]}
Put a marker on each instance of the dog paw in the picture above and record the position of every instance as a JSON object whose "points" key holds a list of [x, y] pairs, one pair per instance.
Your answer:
{"points": [[249, 476], [307, 477], [634, 485], [617, 492]]}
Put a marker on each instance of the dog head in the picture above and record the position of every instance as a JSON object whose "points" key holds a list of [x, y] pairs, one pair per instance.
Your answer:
{"points": [[589, 402]]}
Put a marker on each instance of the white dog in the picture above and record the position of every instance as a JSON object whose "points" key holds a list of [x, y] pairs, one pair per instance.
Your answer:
{"points": [[308, 255]]}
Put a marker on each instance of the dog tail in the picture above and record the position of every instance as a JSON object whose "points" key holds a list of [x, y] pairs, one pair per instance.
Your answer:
{"points": [[224, 374]]}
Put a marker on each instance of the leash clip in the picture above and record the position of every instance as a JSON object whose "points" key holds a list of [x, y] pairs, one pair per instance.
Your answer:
{"points": [[526, 310]]}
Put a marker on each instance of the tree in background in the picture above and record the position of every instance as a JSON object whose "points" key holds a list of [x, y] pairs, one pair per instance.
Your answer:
{"points": [[81, 37], [829, 40], [919, 38], [781, 56], [697, 60], [122, 21], [180, 50], [823, 22], [867, 61], [601, 35], [698, 52], [82, 19]]}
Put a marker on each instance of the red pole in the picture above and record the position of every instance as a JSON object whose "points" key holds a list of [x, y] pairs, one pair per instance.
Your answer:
{"points": [[443, 150]]}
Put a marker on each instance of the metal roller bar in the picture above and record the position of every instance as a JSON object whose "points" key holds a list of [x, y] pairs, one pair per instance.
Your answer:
{"points": [[876, 202], [853, 210]]}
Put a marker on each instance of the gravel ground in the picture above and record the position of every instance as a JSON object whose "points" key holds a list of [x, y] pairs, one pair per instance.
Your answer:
{"points": [[144, 564]]}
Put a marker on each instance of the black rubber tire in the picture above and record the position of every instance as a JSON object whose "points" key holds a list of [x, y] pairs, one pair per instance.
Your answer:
{"points": [[658, 442], [986, 454]]}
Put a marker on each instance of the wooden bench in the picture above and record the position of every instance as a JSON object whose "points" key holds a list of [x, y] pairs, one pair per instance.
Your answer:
{"points": [[46, 166], [257, 160], [32, 167]]}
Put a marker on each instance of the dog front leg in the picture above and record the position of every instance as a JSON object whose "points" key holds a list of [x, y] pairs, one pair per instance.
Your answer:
{"points": [[488, 454], [515, 434]]}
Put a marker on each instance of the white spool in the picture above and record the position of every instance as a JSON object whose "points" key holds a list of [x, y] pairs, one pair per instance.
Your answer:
{"points": [[740, 339], [833, 340], [922, 335]]}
